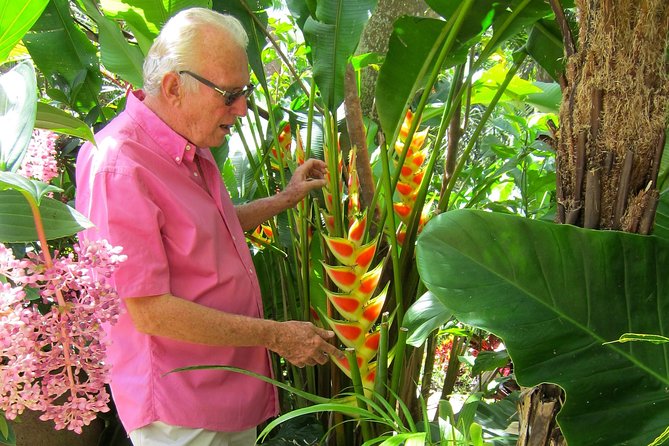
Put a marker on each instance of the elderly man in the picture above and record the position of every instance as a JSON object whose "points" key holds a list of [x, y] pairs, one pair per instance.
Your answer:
{"points": [[189, 285]]}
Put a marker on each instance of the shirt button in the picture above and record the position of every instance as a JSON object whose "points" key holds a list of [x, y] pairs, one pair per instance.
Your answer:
{"points": [[195, 173], [178, 158], [188, 147]]}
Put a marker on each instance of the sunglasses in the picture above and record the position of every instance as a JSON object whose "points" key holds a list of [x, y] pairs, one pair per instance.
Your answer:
{"points": [[230, 96]]}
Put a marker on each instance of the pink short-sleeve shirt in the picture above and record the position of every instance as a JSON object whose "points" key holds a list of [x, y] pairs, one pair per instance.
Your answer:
{"points": [[143, 190]]}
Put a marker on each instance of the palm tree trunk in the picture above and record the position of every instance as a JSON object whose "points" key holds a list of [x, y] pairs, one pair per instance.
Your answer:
{"points": [[613, 118]]}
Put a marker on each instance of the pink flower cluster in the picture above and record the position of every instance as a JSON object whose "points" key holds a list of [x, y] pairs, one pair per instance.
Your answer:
{"points": [[52, 342], [40, 160]]}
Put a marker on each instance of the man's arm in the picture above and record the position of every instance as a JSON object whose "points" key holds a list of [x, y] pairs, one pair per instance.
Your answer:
{"points": [[307, 177], [301, 343]]}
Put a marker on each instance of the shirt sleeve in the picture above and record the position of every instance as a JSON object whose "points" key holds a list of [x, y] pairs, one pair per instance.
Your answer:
{"points": [[125, 215]]}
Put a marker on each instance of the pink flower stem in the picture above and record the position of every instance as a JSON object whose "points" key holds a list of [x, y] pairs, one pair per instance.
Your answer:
{"points": [[41, 235]]}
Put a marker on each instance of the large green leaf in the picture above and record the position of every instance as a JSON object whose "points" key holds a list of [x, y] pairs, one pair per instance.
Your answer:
{"points": [[516, 15], [556, 294], [408, 59], [117, 54], [333, 37], [52, 118], [486, 87], [145, 18], [544, 44], [17, 224], [18, 96], [65, 55], [414, 40], [16, 18], [548, 100], [661, 228], [424, 316]]}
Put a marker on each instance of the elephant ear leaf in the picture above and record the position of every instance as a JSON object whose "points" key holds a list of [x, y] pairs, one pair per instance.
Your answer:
{"points": [[556, 295]]}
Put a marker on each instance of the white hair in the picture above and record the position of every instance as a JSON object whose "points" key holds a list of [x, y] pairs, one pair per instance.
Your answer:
{"points": [[174, 48]]}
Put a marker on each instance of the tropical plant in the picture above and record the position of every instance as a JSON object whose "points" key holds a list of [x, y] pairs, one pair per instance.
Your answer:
{"points": [[457, 127], [579, 289]]}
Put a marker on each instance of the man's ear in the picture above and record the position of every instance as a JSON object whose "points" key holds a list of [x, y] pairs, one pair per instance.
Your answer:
{"points": [[171, 88]]}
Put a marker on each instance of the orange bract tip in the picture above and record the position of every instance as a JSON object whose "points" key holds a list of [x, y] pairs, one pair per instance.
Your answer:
{"points": [[340, 247], [372, 311], [401, 235], [365, 256], [372, 340], [370, 280], [349, 332], [418, 159], [343, 276], [403, 210], [403, 188], [347, 304], [357, 229]]}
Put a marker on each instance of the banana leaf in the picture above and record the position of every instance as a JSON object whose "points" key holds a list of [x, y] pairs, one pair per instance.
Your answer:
{"points": [[52, 118], [333, 35], [66, 57], [556, 294], [117, 54], [15, 20], [544, 45], [145, 18]]}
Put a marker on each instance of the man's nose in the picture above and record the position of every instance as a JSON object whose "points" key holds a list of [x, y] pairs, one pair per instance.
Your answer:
{"points": [[239, 106]]}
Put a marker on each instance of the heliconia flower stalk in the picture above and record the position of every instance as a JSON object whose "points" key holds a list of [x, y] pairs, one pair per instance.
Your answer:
{"points": [[357, 281], [280, 156], [261, 236], [328, 197], [411, 174]]}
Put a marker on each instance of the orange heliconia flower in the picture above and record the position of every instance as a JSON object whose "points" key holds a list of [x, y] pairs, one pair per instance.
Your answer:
{"points": [[411, 173], [356, 280], [262, 236]]}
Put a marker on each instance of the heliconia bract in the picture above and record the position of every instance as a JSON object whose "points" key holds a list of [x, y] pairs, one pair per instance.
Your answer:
{"points": [[355, 278], [411, 174]]}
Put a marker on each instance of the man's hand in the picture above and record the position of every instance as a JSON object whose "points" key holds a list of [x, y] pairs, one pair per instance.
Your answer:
{"points": [[307, 177], [302, 343]]}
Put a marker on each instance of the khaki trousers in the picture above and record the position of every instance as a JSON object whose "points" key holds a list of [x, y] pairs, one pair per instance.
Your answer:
{"points": [[161, 434]]}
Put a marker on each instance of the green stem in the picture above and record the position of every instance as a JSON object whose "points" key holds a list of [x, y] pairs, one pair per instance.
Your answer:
{"points": [[48, 261], [380, 382], [277, 47], [359, 391], [335, 179], [479, 128], [398, 363], [391, 229], [455, 25]]}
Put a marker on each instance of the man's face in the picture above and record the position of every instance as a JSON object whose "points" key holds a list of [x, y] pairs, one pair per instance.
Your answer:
{"points": [[206, 119]]}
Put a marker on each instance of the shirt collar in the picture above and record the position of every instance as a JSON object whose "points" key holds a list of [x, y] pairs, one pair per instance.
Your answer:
{"points": [[173, 144]]}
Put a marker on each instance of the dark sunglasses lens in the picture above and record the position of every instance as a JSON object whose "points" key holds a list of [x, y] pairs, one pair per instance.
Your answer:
{"points": [[232, 97]]}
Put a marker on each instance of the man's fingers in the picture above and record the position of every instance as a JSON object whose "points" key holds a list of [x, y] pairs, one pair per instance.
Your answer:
{"points": [[325, 334]]}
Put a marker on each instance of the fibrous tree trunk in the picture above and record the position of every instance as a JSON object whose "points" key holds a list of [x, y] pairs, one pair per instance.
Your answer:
{"points": [[612, 132], [614, 115]]}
